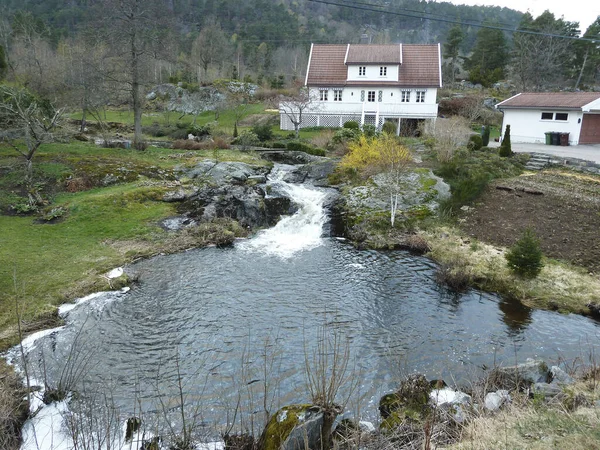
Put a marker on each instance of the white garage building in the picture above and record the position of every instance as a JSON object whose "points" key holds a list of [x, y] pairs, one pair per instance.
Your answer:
{"points": [[531, 115]]}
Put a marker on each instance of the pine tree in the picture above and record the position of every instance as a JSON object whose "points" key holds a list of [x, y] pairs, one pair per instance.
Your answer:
{"points": [[525, 256], [505, 147], [235, 130]]}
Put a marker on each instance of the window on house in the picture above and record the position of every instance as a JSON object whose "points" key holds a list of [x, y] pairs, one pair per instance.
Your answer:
{"points": [[371, 96], [337, 95], [405, 97], [382, 71], [324, 95], [561, 116], [547, 116], [420, 97], [362, 70]]}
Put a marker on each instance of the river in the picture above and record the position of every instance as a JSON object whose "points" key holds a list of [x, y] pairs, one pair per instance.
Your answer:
{"points": [[230, 331]]}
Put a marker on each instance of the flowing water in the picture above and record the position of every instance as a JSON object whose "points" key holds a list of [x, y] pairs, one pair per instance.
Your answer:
{"points": [[225, 323]]}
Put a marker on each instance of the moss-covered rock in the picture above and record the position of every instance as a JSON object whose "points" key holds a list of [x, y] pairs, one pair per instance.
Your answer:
{"points": [[410, 402], [293, 427]]}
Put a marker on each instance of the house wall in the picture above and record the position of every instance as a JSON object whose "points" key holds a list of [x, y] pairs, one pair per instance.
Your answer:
{"points": [[372, 72], [527, 126], [390, 104]]}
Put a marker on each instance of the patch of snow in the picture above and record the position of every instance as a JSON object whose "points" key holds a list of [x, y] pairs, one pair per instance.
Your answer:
{"points": [[115, 273]]}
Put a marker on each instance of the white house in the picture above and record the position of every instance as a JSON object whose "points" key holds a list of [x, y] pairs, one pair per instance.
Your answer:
{"points": [[531, 115], [371, 84]]}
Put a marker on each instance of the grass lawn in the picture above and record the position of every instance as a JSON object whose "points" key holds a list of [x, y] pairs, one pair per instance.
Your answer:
{"points": [[45, 264]]}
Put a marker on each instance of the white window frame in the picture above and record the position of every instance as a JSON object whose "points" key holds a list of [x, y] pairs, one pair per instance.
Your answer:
{"points": [[566, 119], [420, 96], [337, 95], [405, 97], [362, 71], [371, 96], [546, 112], [383, 71], [324, 95]]}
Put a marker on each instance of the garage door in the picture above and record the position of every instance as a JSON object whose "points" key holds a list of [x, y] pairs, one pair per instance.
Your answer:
{"points": [[590, 129]]}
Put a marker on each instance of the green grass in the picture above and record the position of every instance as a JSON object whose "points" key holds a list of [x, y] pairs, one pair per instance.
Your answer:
{"points": [[225, 121], [48, 259]]}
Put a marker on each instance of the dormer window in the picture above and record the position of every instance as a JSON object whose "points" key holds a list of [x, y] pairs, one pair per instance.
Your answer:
{"points": [[383, 71], [362, 70]]}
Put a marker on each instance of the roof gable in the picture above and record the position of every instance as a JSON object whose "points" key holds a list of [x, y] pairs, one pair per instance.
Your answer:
{"points": [[374, 54], [541, 100], [419, 64]]}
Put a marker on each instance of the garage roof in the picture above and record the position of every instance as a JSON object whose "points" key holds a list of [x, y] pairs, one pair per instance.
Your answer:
{"points": [[540, 100]]}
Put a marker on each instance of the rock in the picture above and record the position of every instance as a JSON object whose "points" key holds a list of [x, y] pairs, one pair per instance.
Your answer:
{"points": [[289, 157], [176, 223], [225, 172], [546, 389], [260, 179], [439, 397], [178, 195], [530, 372], [495, 400], [559, 376], [294, 427]]}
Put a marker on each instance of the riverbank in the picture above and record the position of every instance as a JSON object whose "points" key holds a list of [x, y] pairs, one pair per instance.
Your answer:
{"points": [[106, 208]]}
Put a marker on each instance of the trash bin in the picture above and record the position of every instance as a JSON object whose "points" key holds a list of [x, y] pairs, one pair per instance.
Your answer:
{"points": [[555, 138], [564, 139], [548, 138]]}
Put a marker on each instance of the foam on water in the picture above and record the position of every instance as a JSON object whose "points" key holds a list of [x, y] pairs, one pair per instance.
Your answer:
{"points": [[299, 232]]}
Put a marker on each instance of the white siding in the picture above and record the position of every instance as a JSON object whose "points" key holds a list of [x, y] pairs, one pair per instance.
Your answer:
{"points": [[527, 126], [372, 72]]}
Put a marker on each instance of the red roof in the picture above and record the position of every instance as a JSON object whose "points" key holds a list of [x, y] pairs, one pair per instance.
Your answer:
{"points": [[420, 66], [538, 100]]}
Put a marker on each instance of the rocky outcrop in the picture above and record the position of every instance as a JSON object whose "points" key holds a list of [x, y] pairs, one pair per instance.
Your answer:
{"points": [[317, 172], [288, 157], [219, 173]]}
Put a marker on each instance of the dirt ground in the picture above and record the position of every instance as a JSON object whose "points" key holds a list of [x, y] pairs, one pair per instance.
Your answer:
{"points": [[563, 208]]}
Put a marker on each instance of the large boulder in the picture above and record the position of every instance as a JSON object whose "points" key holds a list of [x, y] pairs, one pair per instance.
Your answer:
{"points": [[233, 172], [294, 427], [316, 172], [525, 374]]}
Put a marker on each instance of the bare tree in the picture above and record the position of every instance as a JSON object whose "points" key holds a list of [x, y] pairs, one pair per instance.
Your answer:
{"points": [[134, 28], [210, 47], [27, 117], [296, 105]]}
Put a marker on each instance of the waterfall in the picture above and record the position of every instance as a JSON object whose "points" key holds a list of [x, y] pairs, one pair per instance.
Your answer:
{"points": [[292, 234]]}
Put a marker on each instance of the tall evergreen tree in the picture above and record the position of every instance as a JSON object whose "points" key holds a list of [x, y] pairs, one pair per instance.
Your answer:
{"points": [[452, 48], [489, 58], [3, 63]]}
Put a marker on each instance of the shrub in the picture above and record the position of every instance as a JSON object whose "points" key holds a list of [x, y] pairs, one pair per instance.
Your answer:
{"points": [[179, 133], [263, 132], [156, 130], [247, 139], [200, 130], [209, 144], [389, 128], [369, 130], [302, 147], [505, 147], [525, 256], [278, 144], [475, 142], [352, 125], [485, 137]]}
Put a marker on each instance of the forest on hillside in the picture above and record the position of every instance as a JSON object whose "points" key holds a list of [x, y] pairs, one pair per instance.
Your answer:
{"points": [[61, 48]]}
